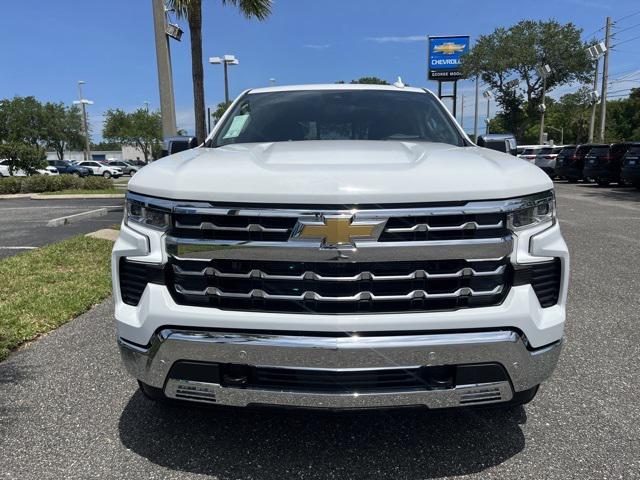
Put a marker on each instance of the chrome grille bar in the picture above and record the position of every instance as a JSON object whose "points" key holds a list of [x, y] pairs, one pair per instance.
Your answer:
{"points": [[425, 227], [259, 274], [252, 227], [368, 296]]}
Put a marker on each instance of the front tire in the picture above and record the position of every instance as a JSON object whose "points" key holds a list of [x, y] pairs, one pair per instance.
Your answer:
{"points": [[603, 183], [106, 174]]}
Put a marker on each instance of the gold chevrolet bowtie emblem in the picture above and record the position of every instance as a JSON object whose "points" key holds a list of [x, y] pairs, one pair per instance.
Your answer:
{"points": [[449, 48], [337, 230]]}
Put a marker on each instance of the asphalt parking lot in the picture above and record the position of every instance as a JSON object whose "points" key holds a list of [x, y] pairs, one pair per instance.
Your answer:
{"points": [[67, 410], [23, 222]]}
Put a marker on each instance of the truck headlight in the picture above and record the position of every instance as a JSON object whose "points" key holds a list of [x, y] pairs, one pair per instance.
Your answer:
{"points": [[142, 214], [533, 211]]}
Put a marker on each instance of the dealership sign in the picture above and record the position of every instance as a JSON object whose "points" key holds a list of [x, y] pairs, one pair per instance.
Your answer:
{"points": [[444, 56]]}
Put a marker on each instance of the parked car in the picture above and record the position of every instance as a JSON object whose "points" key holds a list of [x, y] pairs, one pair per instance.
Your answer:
{"points": [[630, 172], [502, 142], [529, 154], [137, 163], [67, 168], [126, 167], [570, 162], [4, 170], [604, 163], [98, 168], [521, 149], [546, 159], [239, 267]]}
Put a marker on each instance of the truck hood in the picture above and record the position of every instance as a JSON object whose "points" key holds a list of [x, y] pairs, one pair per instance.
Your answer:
{"points": [[339, 172]]}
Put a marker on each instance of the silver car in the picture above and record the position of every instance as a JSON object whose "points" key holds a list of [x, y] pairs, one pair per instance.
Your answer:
{"points": [[546, 159]]}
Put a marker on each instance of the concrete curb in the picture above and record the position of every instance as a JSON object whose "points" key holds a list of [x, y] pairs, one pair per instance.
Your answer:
{"points": [[99, 212], [105, 234], [9, 196], [38, 196]]}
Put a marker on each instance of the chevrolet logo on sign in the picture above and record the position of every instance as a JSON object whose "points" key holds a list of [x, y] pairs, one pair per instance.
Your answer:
{"points": [[336, 230], [449, 48]]}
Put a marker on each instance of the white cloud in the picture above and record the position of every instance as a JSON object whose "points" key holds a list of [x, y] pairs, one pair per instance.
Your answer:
{"points": [[407, 39], [315, 46]]}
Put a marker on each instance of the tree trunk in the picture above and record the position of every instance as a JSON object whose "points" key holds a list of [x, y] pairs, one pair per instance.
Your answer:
{"points": [[195, 30]]}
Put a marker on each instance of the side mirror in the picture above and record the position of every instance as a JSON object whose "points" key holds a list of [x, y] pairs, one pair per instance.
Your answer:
{"points": [[178, 144]]}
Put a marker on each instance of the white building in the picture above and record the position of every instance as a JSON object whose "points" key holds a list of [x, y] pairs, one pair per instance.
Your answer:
{"points": [[126, 153]]}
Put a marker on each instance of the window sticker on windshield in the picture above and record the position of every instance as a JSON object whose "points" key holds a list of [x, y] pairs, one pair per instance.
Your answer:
{"points": [[236, 126]]}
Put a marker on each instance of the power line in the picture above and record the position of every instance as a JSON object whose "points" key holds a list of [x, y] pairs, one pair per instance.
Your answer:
{"points": [[625, 29], [626, 41], [626, 16]]}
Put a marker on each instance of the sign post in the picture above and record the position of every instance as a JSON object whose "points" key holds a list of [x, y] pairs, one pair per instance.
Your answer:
{"points": [[444, 57]]}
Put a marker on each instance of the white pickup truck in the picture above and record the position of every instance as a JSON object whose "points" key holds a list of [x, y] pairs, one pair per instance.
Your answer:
{"points": [[340, 246]]}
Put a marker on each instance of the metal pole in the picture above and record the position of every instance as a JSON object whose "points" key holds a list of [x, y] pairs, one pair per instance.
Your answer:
{"points": [[561, 135], [87, 144], [476, 112], [226, 83], [488, 113], [592, 122], [542, 107], [462, 111], [165, 77], [455, 98], [605, 79]]}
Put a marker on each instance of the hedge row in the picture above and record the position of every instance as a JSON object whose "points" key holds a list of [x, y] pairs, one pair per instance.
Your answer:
{"points": [[52, 183]]}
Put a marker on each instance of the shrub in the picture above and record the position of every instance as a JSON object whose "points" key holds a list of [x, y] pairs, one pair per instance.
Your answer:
{"points": [[10, 185], [97, 183], [48, 183]]}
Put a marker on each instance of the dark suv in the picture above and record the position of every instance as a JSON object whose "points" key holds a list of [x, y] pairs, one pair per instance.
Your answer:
{"points": [[68, 168], [570, 162], [604, 162], [630, 172]]}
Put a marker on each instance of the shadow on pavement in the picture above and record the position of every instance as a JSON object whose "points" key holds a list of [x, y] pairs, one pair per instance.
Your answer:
{"points": [[613, 192], [270, 443]]}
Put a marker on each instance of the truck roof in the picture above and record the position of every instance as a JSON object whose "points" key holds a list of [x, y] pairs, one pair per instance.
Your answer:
{"points": [[335, 86]]}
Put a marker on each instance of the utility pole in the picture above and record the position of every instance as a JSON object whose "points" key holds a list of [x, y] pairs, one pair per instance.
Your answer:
{"points": [[594, 106], [165, 76], [605, 78], [83, 102], [475, 114], [543, 71]]}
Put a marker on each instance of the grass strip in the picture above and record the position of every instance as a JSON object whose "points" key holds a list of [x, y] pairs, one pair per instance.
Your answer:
{"points": [[45, 288]]}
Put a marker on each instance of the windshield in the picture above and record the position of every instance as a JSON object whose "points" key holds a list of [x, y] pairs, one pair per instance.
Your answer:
{"points": [[599, 151], [337, 115]]}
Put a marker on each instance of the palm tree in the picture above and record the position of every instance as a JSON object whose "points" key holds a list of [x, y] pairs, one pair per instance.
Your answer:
{"points": [[192, 11]]}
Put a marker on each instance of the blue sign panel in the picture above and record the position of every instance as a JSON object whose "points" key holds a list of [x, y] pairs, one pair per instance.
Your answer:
{"points": [[444, 56]]}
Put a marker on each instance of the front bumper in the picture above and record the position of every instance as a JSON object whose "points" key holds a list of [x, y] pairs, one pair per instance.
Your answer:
{"points": [[525, 367]]}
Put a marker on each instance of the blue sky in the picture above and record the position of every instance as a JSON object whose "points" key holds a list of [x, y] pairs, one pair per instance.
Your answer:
{"points": [[47, 46]]}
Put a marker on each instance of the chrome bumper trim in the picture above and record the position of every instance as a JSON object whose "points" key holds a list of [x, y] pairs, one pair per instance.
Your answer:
{"points": [[526, 368], [464, 395], [198, 249]]}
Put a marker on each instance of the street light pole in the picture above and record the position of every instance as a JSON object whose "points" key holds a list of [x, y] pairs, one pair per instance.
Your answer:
{"points": [[561, 130], [476, 111], [165, 76], [488, 95], [83, 103], [543, 71], [594, 105], [226, 60]]}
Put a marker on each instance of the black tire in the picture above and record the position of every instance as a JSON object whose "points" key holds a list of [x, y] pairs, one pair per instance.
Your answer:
{"points": [[132, 172], [572, 180], [106, 174], [603, 183], [522, 398], [152, 393]]}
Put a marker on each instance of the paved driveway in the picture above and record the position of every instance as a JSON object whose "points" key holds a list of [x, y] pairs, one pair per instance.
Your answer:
{"points": [[23, 222], [68, 411]]}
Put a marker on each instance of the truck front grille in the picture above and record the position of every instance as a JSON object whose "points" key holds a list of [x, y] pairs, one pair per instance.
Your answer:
{"points": [[325, 287]]}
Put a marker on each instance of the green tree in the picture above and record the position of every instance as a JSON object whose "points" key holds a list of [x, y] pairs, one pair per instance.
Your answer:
{"points": [[623, 118], [105, 146], [220, 109], [62, 128], [192, 11], [506, 60], [370, 81], [22, 121], [142, 129], [23, 156]]}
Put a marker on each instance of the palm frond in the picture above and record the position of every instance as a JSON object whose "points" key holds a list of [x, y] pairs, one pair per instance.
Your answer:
{"points": [[259, 9], [182, 7]]}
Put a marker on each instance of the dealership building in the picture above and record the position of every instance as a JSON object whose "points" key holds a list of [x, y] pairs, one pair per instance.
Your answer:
{"points": [[126, 153]]}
